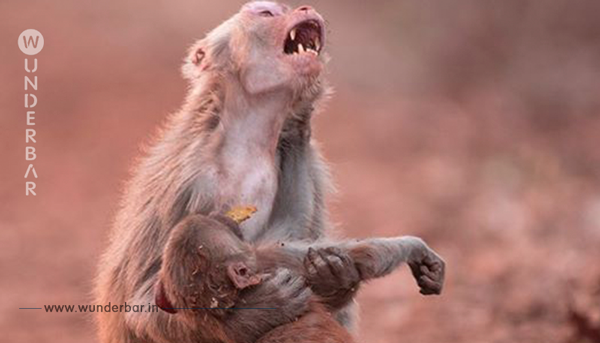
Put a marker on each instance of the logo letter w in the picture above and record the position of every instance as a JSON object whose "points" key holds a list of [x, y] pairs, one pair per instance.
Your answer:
{"points": [[30, 41]]}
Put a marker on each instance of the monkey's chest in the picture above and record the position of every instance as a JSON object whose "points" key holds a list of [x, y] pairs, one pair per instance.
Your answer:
{"points": [[253, 183]]}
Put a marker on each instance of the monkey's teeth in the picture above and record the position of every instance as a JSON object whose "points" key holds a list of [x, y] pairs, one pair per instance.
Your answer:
{"points": [[300, 48], [312, 51], [317, 43], [293, 34]]}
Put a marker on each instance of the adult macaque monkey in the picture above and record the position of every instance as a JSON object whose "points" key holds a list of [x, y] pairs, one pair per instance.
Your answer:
{"points": [[241, 137]]}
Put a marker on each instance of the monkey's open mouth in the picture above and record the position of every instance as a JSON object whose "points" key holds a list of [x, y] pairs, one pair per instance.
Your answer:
{"points": [[305, 37]]}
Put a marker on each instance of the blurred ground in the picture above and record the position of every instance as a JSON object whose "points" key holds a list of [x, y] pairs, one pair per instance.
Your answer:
{"points": [[474, 124]]}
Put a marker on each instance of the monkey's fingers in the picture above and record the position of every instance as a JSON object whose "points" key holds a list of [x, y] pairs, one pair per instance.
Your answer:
{"points": [[318, 265], [320, 269], [240, 213], [429, 286], [433, 263], [339, 253], [435, 269], [308, 264], [429, 272], [333, 261], [344, 265], [330, 264]]}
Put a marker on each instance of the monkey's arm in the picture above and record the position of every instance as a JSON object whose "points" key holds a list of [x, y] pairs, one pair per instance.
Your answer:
{"points": [[380, 256], [279, 300], [335, 270]]}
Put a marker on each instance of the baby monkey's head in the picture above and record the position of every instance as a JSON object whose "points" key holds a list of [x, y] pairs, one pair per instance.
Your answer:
{"points": [[266, 45], [206, 260]]}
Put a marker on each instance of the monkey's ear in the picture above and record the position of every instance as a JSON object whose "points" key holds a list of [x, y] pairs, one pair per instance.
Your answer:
{"points": [[197, 55], [161, 300], [241, 276], [195, 62]]}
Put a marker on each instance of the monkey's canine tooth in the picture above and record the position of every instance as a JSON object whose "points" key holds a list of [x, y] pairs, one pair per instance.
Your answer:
{"points": [[300, 47], [293, 34]]}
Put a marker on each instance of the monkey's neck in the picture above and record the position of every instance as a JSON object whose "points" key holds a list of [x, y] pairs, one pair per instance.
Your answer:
{"points": [[251, 125], [246, 153]]}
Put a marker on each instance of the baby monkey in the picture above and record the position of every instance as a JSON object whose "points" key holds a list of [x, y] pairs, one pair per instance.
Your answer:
{"points": [[225, 287]]}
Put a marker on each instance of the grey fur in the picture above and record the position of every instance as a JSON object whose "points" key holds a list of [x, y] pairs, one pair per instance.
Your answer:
{"points": [[181, 171], [235, 141]]}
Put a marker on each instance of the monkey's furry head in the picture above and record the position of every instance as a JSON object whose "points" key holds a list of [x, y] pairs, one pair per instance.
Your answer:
{"points": [[267, 47], [205, 265]]}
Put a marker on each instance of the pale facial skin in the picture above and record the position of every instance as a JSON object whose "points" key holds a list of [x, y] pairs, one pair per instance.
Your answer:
{"points": [[270, 45], [279, 47]]}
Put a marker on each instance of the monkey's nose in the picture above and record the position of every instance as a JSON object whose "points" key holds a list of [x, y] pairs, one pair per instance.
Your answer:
{"points": [[304, 8]]}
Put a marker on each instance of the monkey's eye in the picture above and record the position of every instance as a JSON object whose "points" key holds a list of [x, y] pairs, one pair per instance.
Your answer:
{"points": [[265, 13]]}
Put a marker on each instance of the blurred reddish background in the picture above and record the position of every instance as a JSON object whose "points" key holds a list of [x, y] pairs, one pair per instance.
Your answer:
{"points": [[475, 124]]}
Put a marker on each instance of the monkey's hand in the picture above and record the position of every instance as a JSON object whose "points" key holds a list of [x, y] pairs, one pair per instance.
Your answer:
{"points": [[428, 268], [332, 275], [283, 291], [280, 299]]}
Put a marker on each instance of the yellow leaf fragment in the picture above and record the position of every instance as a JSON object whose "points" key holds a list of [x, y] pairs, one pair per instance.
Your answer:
{"points": [[240, 213]]}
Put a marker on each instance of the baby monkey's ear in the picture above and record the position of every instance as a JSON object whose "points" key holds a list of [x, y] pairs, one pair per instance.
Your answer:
{"points": [[241, 276]]}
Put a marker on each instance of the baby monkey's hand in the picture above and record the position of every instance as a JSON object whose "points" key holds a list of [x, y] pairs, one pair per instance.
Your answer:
{"points": [[332, 275]]}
